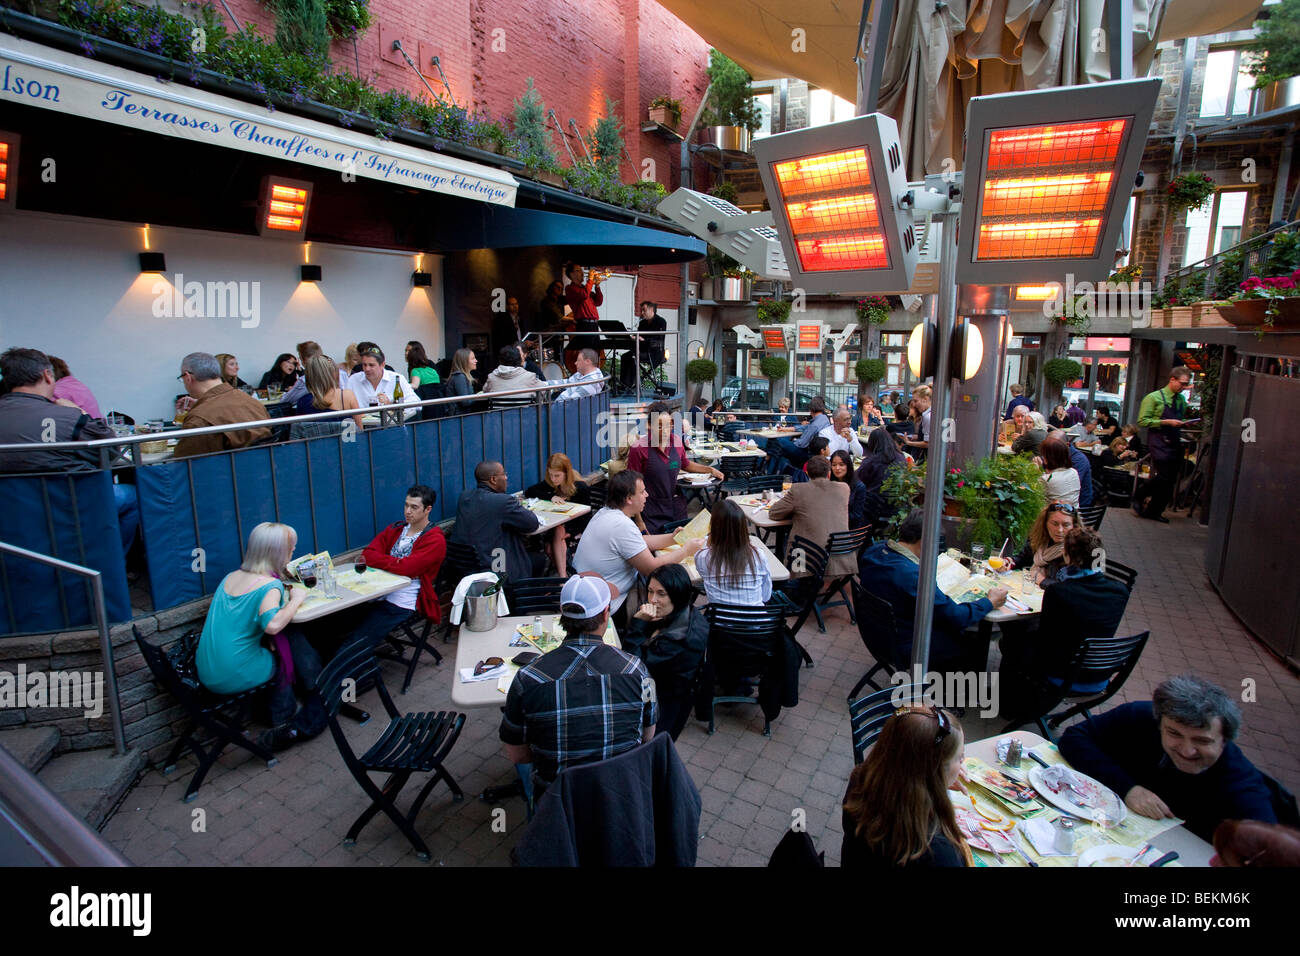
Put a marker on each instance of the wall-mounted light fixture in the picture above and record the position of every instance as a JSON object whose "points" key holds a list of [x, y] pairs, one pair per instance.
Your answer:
{"points": [[8, 168], [420, 278], [964, 356], [151, 260], [283, 207], [309, 272]]}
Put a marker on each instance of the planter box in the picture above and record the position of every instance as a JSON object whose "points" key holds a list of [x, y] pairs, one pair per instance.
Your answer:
{"points": [[1210, 314], [1250, 314], [731, 140], [1178, 317], [723, 289], [666, 117]]}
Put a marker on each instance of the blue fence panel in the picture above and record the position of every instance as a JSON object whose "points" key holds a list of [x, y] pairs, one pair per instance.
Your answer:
{"points": [[253, 473], [357, 504], [72, 517], [325, 487]]}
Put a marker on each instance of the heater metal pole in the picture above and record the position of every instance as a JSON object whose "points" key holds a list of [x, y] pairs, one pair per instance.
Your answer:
{"points": [[937, 454]]}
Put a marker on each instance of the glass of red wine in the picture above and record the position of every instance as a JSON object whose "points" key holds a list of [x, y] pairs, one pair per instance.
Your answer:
{"points": [[309, 579], [360, 566]]}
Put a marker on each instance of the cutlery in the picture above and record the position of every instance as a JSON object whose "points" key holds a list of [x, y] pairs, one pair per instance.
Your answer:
{"points": [[1141, 853], [1015, 839], [1167, 858], [1039, 760]]}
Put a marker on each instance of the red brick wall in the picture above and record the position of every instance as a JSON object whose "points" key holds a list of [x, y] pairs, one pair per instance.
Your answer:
{"points": [[576, 53]]}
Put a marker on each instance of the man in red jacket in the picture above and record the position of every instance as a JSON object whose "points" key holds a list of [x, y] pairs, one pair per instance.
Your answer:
{"points": [[415, 549]]}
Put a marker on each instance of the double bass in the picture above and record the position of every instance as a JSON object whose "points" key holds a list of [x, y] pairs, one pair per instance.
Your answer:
{"points": [[571, 326]]}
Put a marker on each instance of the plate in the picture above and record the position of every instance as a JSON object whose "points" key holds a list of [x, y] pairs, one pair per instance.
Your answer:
{"points": [[1074, 804], [990, 841], [1111, 854]]}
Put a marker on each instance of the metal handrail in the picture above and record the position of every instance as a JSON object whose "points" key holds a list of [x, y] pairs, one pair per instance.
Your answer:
{"points": [[55, 833], [101, 624], [118, 442], [1250, 247]]}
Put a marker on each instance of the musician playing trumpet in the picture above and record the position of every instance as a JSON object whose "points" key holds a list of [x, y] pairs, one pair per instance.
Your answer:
{"points": [[583, 300]]}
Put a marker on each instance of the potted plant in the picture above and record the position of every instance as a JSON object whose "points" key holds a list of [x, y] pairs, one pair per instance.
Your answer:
{"points": [[535, 145], [1189, 191], [725, 280], [1275, 53], [699, 372], [1178, 305], [347, 18], [773, 312], [774, 368], [873, 310], [1076, 314], [1266, 303], [666, 111], [1059, 372], [731, 117], [869, 371], [725, 191]]}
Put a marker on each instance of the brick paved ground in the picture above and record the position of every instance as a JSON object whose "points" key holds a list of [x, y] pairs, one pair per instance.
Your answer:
{"points": [[297, 812]]}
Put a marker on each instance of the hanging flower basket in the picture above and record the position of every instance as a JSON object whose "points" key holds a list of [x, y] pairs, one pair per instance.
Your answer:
{"points": [[1189, 191]]}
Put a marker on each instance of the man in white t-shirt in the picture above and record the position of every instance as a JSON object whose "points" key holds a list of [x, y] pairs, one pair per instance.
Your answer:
{"points": [[613, 547], [840, 434], [921, 443]]}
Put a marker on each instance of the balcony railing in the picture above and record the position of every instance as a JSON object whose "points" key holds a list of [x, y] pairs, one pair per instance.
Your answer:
{"points": [[1219, 276]]}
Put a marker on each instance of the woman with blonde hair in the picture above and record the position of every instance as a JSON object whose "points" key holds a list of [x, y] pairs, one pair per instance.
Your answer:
{"points": [[897, 812], [251, 605], [229, 366], [323, 392], [1044, 552], [351, 360], [561, 484]]}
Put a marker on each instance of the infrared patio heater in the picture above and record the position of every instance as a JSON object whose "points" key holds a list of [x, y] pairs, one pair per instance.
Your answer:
{"points": [[1042, 196]]}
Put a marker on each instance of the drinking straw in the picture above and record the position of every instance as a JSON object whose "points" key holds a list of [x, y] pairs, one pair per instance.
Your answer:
{"points": [[1004, 546]]}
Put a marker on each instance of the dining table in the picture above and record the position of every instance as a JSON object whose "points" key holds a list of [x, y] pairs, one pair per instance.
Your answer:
{"points": [[1133, 831], [353, 589], [553, 514]]}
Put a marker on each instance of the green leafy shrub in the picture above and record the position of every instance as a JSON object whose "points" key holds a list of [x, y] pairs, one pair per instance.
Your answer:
{"points": [[1059, 371], [701, 370], [731, 102], [774, 367], [773, 311], [870, 369]]}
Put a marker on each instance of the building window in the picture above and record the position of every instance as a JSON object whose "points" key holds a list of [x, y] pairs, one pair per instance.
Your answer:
{"points": [[825, 107], [1216, 226], [765, 99], [1130, 230], [1225, 90]]}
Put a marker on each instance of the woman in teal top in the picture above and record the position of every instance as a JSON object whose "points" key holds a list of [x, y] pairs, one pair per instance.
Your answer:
{"points": [[250, 605], [419, 370]]}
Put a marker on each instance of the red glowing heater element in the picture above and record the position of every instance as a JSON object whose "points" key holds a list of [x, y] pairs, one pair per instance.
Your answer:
{"points": [[8, 167], [1047, 196], [774, 339], [810, 337], [834, 194], [284, 207]]}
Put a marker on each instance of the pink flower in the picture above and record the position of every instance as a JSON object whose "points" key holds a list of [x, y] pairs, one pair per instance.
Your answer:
{"points": [[961, 484], [1251, 284], [1283, 282]]}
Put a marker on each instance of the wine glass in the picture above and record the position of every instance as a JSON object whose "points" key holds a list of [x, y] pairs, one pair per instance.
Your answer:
{"points": [[309, 579], [360, 566]]}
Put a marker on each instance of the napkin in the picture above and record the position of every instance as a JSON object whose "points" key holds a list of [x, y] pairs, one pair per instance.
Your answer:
{"points": [[467, 675]]}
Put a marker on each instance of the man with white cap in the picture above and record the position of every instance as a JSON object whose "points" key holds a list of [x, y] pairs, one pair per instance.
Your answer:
{"points": [[584, 701]]}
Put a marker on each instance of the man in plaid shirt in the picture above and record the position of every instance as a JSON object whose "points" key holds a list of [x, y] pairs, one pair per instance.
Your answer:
{"points": [[585, 700]]}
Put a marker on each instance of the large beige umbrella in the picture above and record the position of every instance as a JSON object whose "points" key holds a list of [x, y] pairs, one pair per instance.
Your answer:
{"points": [[941, 54]]}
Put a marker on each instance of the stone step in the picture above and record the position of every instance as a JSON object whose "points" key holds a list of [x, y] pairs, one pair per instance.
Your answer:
{"points": [[91, 782], [30, 746]]}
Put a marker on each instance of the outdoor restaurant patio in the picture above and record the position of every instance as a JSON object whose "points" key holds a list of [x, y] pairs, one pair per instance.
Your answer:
{"points": [[296, 813]]}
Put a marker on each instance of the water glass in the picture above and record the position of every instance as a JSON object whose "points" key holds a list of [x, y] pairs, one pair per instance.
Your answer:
{"points": [[329, 583], [1026, 580], [978, 555]]}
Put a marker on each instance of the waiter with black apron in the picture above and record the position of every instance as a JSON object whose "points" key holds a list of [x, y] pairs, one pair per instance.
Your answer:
{"points": [[1164, 414]]}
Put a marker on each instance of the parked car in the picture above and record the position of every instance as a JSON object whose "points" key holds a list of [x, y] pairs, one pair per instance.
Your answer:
{"points": [[1110, 401], [756, 394]]}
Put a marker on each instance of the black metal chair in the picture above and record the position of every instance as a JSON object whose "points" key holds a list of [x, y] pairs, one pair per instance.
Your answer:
{"points": [[599, 492], [736, 472], [879, 633], [1092, 515], [1119, 486], [218, 717], [867, 715], [412, 743], [742, 642], [802, 593], [460, 561], [405, 639], [1121, 572], [842, 542], [535, 596], [757, 483], [1101, 659]]}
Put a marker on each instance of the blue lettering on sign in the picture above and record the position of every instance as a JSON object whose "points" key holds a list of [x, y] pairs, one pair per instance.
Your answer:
{"points": [[13, 83], [119, 101]]}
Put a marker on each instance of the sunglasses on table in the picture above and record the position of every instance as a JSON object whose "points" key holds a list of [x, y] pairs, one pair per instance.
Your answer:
{"points": [[482, 667]]}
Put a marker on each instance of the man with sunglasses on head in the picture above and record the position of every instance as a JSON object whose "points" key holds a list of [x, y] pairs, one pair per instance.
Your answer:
{"points": [[1163, 413], [891, 571]]}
